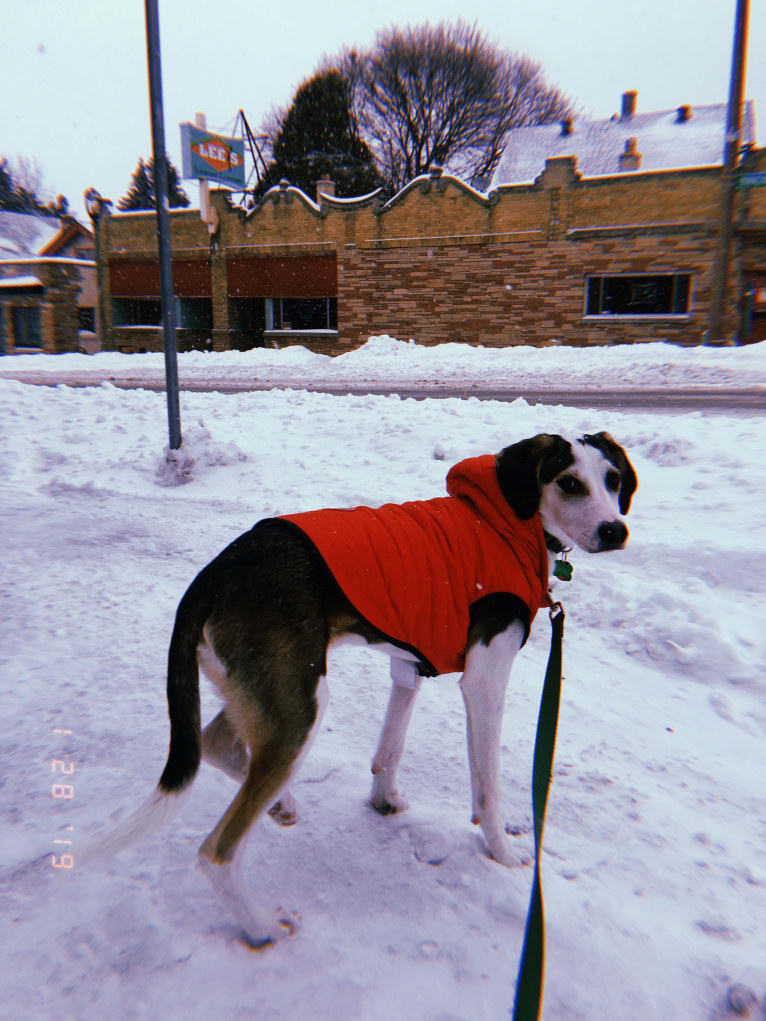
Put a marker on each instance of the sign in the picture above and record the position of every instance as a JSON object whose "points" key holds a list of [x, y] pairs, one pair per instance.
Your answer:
{"points": [[752, 180], [210, 157]]}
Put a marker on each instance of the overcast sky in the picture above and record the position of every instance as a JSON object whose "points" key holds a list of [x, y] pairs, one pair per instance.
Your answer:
{"points": [[75, 93]]}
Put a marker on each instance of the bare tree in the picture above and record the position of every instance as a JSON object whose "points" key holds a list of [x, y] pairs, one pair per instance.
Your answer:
{"points": [[445, 95], [28, 175]]}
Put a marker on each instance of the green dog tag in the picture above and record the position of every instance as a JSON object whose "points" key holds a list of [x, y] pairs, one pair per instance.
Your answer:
{"points": [[562, 569]]}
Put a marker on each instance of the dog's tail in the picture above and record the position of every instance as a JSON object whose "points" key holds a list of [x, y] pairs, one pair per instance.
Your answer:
{"points": [[183, 688], [185, 736]]}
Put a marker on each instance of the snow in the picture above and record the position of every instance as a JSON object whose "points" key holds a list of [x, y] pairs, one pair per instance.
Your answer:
{"points": [[20, 282], [384, 360], [654, 868], [663, 142]]}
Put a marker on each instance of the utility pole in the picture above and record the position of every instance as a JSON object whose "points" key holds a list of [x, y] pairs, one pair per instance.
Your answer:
{"points": [[715, 334], [163, 220]]}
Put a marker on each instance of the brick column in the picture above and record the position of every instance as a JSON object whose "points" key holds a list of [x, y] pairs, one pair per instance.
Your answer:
{"points": [[219, 290], [47, 328]]}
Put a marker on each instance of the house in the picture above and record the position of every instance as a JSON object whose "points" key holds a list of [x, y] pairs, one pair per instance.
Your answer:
{"points": [[48, 292], [566, 255], [684, 137]]}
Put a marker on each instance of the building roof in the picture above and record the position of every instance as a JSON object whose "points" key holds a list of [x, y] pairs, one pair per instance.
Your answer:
{"points": [[25, 235], [688, 136]]}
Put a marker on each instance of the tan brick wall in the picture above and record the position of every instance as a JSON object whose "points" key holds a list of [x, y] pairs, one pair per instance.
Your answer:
{"points": [[529, 292], [58, 301], [444, 263]]}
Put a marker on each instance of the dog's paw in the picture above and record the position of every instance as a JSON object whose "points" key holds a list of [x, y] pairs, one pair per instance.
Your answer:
{"points": [[284, 812], [502, 851], [266, 933], [385, 798]]}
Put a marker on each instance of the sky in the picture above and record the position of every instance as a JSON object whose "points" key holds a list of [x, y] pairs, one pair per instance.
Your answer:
{"points": [[79, 102]]}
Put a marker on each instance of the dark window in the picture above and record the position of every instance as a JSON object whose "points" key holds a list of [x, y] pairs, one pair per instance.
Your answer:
{"points": [[194, 313], [87, 318], [26, 327], [306, 314], [639, 295], [136, 312]]}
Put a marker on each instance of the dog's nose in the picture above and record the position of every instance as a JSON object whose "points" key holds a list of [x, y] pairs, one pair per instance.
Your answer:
{"points": [[613, 534]]}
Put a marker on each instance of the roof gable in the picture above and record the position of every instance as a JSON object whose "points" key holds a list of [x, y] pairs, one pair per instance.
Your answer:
{"points": [[24, 235]]}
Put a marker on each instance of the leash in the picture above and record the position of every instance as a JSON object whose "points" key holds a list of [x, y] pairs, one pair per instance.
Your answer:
{"points": [[531, 977]]}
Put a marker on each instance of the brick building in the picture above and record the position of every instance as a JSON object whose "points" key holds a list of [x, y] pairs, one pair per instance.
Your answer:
{"points": [[614, 257], [48, 292]]}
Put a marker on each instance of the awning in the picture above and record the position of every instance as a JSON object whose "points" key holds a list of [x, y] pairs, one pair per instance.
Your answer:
{"points": [[134, 278], [292, 276]]}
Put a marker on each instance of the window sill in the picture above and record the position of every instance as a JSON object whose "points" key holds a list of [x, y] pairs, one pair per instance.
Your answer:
{"points": [[664, 317], [276, 334]]}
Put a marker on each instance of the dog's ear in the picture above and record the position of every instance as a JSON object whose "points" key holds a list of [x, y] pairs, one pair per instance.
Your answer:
{"points": [[525, 467], [613, 452]]}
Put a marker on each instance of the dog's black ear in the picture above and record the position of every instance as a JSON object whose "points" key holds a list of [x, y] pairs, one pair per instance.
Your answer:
{"points": [[613, 452], [525, 467]]}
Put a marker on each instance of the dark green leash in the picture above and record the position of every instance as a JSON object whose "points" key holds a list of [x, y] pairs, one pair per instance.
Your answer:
{"points": [[531, 978]]}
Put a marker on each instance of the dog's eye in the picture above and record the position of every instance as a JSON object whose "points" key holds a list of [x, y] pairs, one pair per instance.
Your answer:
{"points": [[571, 486], [613, 479]]}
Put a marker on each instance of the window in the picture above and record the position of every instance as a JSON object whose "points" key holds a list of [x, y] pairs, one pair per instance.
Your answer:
{"points": [[87, 318], [305, 313], [643, 295], [137, 312], [194, 313], [26, 326]]}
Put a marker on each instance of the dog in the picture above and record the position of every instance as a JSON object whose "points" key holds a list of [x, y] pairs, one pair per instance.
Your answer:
{"points": [[455, 590]]}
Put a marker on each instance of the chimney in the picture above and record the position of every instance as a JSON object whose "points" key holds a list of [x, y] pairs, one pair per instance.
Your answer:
{"points": [[628, 105], [325, 186], [683, 114], [566, 126], [630, 159]]}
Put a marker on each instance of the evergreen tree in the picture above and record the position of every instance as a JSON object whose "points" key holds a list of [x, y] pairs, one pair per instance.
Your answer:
{"points": [[8, 196], [318, 137], [20, 196], [140, 194]]}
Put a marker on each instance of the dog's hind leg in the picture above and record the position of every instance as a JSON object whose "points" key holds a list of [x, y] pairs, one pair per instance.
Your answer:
{"points": [[385, 797], [273, 760], [222, 748]]}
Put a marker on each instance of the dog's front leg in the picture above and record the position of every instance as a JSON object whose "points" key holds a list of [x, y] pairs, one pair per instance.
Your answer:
{"points": [[385, 798], [483, 684]]}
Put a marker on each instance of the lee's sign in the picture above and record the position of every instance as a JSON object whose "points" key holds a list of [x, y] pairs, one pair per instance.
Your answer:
{"points": [[211, 157]]}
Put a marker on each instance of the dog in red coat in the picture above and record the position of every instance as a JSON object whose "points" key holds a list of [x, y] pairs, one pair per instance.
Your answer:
{"points": [[443, 585]]}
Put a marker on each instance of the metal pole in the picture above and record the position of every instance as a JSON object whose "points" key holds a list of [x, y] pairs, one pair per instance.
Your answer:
{"points": [[163, 220], [729, 178]]}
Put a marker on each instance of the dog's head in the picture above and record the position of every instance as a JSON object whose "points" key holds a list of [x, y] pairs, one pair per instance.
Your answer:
{"points": [[581, 487]]}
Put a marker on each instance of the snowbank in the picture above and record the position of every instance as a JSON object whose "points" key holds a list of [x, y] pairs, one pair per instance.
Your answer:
{"points": [[385, 360]]}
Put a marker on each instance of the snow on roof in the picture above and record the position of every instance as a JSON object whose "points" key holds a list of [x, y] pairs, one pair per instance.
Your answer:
{"points": [[20, 282], [664, 140], [25, 234]]}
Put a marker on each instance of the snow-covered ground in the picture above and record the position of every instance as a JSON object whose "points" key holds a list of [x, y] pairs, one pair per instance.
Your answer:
{"points": [[386, 361], [655, 845]]}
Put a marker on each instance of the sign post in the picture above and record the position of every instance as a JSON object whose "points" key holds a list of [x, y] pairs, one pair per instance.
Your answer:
{"points": [[163, 221]]}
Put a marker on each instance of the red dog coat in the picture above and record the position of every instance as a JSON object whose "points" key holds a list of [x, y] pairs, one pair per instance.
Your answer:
{"points": [[413, 570]]}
